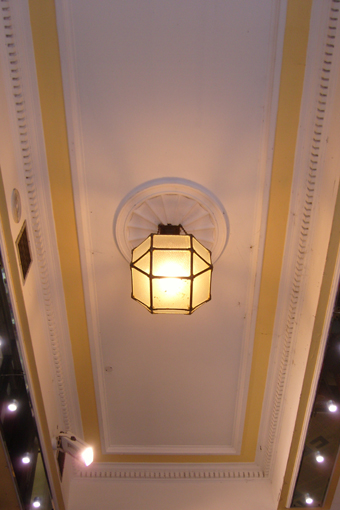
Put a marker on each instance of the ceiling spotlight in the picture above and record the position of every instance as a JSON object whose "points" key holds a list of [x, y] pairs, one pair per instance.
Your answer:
{"points": [[308, 499], [87, 455], [76, 447], [26, 459], [36, 502], [171, 273], [332, 407], [319, 458], [12, 406]]}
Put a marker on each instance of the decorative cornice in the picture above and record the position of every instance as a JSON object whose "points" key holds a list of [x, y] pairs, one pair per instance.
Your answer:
{"points": [[161, 472], [307, 203], [26, 141]]}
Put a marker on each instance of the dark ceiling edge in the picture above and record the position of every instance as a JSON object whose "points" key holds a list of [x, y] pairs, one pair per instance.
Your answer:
{"points": [[9, 497]]}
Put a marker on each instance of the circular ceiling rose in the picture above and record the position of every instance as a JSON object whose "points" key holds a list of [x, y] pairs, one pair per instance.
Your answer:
{"points": [[171, 201]]}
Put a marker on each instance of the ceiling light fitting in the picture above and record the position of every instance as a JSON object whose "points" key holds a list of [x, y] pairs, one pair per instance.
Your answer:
{"points": [[331, 406], [171, 273], [170, 230], [13, 406], [308, 499], [26, 459], [36, 502], [319, 458], [77, 448]]}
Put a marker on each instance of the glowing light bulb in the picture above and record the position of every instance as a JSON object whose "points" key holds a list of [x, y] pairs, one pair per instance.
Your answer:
{"points": [[87, 456], [12, 406], [172, 268], [172, 286], [36, 502], [319, 458], [26, 459], [332, 407], [308, 499]]}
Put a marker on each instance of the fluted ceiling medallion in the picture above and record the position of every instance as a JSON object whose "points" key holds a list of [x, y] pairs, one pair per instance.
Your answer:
{"points": [[171, 201]]}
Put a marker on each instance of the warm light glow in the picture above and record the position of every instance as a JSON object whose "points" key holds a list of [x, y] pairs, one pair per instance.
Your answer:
{"points": [[332, 407], [171, 273], [172, 268], [36, 503], [308, 499], [172, 286], [26, 459], [319, 458], [12, 406], [87, 456]]}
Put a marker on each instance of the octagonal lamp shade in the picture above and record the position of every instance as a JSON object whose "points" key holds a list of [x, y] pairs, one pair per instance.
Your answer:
{"points": [[171, 273]]}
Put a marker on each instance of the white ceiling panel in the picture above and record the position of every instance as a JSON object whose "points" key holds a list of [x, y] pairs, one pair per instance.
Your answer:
{"points": [[158, 89]]}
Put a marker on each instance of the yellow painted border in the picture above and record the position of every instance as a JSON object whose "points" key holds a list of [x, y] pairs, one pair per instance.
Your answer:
{"points": [[291, 88], [35, 389], [45, 39]]}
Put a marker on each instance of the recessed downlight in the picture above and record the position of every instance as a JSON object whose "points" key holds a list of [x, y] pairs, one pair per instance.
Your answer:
{"points": [[319, 458], [12, 406], [332, 407], [26, 459], [309, 500], [36, 502]]}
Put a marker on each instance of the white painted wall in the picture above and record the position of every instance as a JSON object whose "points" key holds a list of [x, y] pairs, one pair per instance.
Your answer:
{"points": [[109, 494]]}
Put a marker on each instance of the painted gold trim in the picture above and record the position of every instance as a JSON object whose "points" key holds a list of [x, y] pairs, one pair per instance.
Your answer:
{"points": [[291, 88], [45, 42]]}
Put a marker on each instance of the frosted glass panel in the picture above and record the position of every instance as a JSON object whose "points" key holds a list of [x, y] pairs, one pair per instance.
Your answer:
{"points": [[140, 249], [177, 312], [144, 263], [140, 287], [201, 289], [201, 250], [198, 264], [171, 293], [171, 263], [160, 241]]}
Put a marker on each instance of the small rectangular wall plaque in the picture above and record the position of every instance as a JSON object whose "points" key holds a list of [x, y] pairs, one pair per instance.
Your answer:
{"points": [[24, 252]]}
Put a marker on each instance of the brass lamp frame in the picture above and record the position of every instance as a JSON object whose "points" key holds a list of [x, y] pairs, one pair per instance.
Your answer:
{"points": [[171, 230]]}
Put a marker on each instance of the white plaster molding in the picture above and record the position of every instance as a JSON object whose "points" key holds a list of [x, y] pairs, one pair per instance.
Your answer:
{"points": [[168, 472], [75, 139], [328, 103], [172, 201], [24, 107], [313, 198]]}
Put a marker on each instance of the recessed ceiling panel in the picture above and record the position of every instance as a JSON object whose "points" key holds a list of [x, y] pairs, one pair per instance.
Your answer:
{"points": [[166, 88]]}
